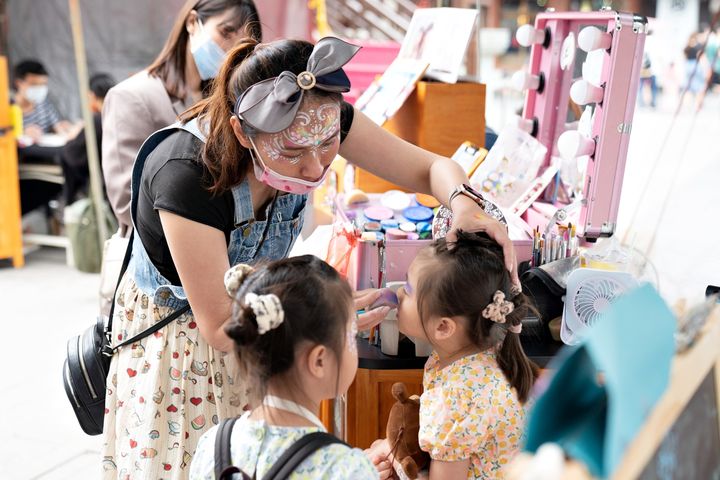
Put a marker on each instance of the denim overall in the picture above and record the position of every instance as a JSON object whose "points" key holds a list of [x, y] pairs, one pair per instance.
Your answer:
{"points": [[284, 228]]}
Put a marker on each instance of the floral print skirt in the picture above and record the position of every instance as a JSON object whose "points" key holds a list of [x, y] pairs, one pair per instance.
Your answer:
{"points": [[163, 391]]}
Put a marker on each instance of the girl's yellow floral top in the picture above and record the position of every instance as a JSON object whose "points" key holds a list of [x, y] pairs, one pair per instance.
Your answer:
{"points": [[469, 410]]}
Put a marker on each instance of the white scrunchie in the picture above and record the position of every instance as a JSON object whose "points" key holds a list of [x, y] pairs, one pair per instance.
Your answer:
{"points": [[235, 276], [267, 309]]}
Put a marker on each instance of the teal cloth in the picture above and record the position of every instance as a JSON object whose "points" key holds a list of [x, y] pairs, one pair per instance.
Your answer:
{"points": [[603, 389]]}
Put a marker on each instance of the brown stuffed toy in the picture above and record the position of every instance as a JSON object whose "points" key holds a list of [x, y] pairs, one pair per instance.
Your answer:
{"points": [[402, 432]]}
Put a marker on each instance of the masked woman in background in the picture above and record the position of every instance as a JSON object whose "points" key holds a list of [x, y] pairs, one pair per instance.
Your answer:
{"points": [[203, 32]]}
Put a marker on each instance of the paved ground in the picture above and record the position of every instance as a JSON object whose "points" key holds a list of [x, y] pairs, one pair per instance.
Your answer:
{"points": [[686, 182], [42, 305], [46, 302]]}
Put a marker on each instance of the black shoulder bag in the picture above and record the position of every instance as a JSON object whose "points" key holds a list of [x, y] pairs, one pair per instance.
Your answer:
{"points": [[88, 361], [283, 467]]}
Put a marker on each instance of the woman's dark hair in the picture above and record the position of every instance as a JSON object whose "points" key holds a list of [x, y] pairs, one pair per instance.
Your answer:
{"points": [[247, 64], [467, 274], [169, 65], [316, 302]]}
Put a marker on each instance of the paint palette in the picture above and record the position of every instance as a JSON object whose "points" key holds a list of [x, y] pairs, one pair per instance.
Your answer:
{"points": [[580, 60]]}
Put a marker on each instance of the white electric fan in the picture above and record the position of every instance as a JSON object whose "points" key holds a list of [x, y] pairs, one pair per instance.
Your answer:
{"points": [[589, 293]]}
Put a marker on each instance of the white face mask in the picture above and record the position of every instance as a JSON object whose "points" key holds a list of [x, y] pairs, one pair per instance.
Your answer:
{"points": [[36, 94]]}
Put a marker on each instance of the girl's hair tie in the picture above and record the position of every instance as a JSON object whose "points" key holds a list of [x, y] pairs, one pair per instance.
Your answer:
{"points": [[498, 310], [268, 311], [235, 277]]}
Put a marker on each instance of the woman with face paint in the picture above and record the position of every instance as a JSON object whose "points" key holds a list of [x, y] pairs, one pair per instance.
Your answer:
{"points": [[227, 186], [203, 32]]}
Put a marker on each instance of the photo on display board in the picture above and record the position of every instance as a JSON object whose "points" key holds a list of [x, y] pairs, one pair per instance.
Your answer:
{"points": [[439, 36], [384, 97]]}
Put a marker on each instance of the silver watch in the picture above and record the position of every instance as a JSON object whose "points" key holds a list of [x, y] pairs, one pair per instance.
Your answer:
{"points": [[489, 207]]}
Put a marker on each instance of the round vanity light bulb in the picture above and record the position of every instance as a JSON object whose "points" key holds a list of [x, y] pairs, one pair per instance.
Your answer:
{"points": [[527, 35], [573, 144], [592, 38], [583, 92], [522, 80]]}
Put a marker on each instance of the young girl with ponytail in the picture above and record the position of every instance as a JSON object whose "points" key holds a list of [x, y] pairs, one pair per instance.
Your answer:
{"points": [[227, 186], [459, 297], [296, 348]]}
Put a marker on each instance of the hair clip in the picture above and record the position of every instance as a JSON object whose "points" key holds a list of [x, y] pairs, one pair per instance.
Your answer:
{"points": [[235, 276], [498, 310], [268, 311]]}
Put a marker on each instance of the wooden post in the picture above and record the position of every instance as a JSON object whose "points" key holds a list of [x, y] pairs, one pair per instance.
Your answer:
{"points": [[10, 214], [96, 180]]}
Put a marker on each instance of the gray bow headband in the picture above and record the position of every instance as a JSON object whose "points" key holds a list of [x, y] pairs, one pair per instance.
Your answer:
{"points": [[271, 105]]}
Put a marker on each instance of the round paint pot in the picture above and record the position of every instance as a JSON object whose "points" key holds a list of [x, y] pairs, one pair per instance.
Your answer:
{"points": [[423, 227], [426, 200], [388, 224], [395, 200], [413, 236], [418, 214], [369, 236], [377, 214], [372, 227], [407, 227], [355, 197], [425, 235], [396, 234]]}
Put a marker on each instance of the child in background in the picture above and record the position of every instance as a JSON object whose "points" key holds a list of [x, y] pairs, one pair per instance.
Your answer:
{"points": [[294, 331], [459, 297]]}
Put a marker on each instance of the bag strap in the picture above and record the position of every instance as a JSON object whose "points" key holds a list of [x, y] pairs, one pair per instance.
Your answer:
{"points": [[283, 467], [155, 327], [297, 452], [123, 269], [148, 146], [145, 333], [224, 468]]}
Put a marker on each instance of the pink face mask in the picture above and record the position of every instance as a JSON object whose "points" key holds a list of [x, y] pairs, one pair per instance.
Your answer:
{"points": [[280, 182]]}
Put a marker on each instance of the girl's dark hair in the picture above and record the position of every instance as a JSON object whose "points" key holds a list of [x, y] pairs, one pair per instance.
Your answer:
{"points": [[169, 65], [247, 64], [467, 275], [316, 302]]}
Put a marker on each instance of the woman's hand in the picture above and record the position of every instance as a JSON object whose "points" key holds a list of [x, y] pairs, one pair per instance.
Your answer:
{"points": [[363, 299], [379, 455], [469, 217]]}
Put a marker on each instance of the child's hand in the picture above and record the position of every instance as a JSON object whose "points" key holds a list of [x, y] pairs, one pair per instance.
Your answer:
{"points": [[470, 217], [363, 299], [379, 455]]}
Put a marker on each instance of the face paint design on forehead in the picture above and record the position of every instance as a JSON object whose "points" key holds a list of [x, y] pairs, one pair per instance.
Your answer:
{"points": [[313, 130]]}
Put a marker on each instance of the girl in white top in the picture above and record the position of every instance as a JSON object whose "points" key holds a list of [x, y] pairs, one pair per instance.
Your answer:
{"points": [[294, 328]]}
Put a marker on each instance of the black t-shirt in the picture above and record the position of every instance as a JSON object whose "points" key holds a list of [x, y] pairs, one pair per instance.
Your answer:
{"points": [[175, 179]]}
